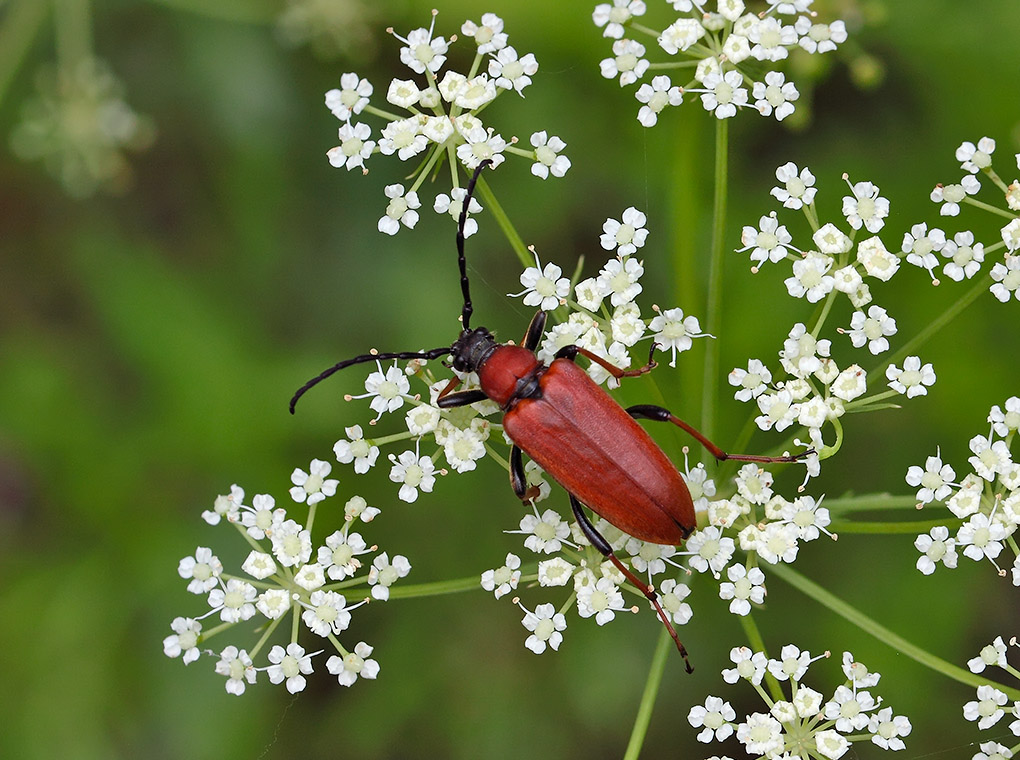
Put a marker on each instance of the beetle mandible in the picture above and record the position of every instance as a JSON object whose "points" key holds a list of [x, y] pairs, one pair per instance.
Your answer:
{"points": [[572, 429]]}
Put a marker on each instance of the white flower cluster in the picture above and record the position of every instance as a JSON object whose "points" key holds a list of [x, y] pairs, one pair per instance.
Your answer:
{"points": [[993, 704], [440, 119], [986, 499], [594, 583], [285, 574], [807, 724], [80, 126], [764, 526], [816, 390], [963, 256], [835, 260], [330, 29], [460, 433], [605, 319], [724, 42]]}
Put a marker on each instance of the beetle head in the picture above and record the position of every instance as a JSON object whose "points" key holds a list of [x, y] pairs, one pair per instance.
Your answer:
{"points": [[472, 349]]}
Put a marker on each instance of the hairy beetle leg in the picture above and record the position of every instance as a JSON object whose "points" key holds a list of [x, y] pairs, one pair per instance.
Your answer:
{"points": [[660, 414], [600, 543]]}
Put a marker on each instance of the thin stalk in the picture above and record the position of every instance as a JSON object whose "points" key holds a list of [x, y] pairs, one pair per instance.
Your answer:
{"points": [[754, 638], [685, 203], [883, 634], [73, 32], [936, 324], [729, 467], [21, 24], [824, 314], [388, 115], [890, 528], [512, 236], [869, 501], [436, 588], [715, 285], [644, 714], [988, 207]]}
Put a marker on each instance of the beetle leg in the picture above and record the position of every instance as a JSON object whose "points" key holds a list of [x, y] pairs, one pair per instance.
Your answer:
{"points": [[460, 398], [571, 352], [659, 414], [518, 480], [447, 398], [600, 543], [535, 331]]}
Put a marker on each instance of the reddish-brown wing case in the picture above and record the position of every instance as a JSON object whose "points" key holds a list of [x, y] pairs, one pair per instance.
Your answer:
{"points": [[579, 435]]}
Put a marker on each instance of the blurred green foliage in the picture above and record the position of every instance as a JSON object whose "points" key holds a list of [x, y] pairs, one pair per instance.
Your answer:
{"points": [[149, 342]]}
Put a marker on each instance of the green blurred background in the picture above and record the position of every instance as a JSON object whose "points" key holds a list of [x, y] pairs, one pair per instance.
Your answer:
{"points": [[150, 339]]}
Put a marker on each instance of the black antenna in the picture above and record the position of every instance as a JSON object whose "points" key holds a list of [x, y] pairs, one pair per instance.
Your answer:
{"points": [[468, 309], [435, 353]]}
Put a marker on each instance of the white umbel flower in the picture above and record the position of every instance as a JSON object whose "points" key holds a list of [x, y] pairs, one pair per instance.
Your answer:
{"points": [[656, 96], [544, 288]]}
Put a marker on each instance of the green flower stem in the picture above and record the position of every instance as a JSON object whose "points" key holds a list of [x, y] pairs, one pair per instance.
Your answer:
{"points": [[994, 177], [994, 248], [692, 64], [311, 518], [567, 604], [824, 313], [383, 440], [21, 24], [829, 451], [253, 652], [451, 159], [73, 26], [715, 285], [474, 65], [436, 588], [883, 634], [529, 154], [383, 114], [644, 29], [644, 714], [295, 621], [426, 167], [913, 527], [937, 324], [754, 638], [987, 207], [811, 213], [515, 240], [209, 633], [576, 278], [336, 643], [251, 541], [275, 581], [685, 203], [503, 461], [864, 404], [872, 501]]}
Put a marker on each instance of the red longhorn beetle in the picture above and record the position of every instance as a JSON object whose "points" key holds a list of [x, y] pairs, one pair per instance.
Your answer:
{"points": [[573, 429]]}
